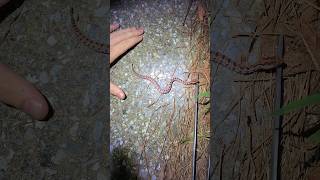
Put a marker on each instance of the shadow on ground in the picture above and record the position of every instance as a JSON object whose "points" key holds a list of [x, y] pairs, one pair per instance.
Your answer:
{"points": [[123, 164]]}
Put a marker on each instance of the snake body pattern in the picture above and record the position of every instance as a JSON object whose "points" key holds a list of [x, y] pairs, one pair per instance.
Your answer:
{"points": [[217, 57], [98, 47], [168, 87], [222, 59]]}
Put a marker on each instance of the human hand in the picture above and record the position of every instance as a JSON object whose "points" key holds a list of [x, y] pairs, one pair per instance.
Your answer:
{"points": [[21, 94], [120, 42], [3, 2]]}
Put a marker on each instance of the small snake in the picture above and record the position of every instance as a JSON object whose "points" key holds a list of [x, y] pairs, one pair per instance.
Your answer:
{"points": [[99, 47], [168, 87], [222, 59]]}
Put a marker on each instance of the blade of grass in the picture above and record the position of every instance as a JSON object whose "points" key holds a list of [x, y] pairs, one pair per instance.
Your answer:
{"points": [[315, 137], [308, 100], [204, 94]]}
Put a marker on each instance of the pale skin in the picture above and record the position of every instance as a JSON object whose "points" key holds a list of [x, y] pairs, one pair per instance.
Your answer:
{"points": [[23, 95], [3, 2], [120, 42]]}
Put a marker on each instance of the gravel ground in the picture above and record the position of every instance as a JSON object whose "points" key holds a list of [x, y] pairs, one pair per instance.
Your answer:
{"points": [[41, 48], [139, 121]]}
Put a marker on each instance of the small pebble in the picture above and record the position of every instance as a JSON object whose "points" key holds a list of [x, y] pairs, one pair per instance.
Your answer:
{"points": [[52, 40]]}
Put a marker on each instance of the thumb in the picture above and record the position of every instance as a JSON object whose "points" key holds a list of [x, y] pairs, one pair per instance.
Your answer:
{"points": [[116, 91]]}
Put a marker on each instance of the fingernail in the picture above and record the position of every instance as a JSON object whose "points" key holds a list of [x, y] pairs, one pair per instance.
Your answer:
{"points": [[140, 29], [122, 96], [35, 109]]}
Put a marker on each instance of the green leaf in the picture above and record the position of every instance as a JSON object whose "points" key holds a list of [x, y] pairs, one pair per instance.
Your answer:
{"points": [[315, 137], [203, 94], [185, 141], [305, 101]]}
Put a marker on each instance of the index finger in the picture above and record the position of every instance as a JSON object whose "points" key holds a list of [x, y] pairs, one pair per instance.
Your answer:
{"points": [[123, 46], [114, 26], [124, 34], [18, 92]]}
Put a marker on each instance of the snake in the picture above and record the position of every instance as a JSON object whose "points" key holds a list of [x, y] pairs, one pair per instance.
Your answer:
{"points": [[217, 57], [225, 61], [168, 87], [104, 48], [96, 46]]}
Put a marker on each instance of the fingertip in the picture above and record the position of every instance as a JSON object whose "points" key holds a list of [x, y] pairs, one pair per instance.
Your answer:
{"points": [[37, 108], [117, 91], [138, 39], [141, 29], [135, 31], [122, 95], [115, 25]]}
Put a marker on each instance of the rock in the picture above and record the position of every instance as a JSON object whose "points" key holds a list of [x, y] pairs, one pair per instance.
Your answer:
{"points": [[51, 171], [74, 130], [44, 78], [3, 163], [31, 78], [56, 17], [40, 124], [66, 60], [54, 72], [96, 166], [59, 157], [52, 41], [29, 134]]}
